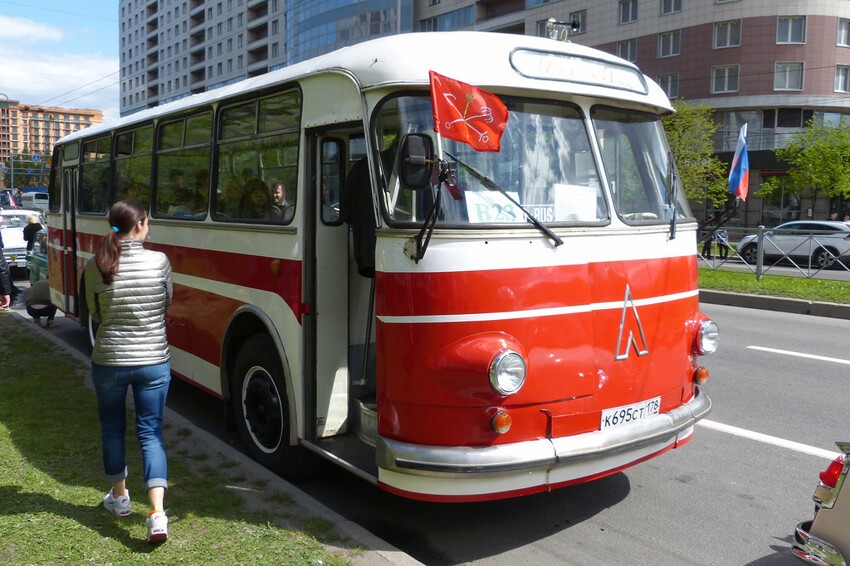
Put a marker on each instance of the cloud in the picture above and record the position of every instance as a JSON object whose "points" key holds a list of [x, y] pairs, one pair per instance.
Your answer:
{"points": [[17, 30], [39, 69]]}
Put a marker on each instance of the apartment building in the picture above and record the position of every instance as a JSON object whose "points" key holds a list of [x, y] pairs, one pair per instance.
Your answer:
{"points": [[772, 64], [173, 48], [28, 132]]}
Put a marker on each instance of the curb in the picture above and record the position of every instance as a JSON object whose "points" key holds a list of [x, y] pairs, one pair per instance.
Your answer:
{"points": [[765, 302], [376, 551]]}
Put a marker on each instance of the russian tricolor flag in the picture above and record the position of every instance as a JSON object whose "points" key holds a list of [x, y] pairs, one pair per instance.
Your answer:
{"points": [[739, 175]]}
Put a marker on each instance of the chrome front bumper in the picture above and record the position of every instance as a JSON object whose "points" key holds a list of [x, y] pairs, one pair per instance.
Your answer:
{"points": [[661, 429], [814, 550]]}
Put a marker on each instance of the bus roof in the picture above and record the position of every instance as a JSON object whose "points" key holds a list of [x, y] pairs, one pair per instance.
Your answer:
{"points": [[497, 61]]}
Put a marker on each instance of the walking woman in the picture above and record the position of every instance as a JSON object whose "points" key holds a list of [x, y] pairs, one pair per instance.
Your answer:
{"points": [[128, 290]]}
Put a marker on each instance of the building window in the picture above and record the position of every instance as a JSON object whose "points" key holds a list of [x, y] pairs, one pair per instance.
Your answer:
{"points": [[844, 32], [788, 76], [670, 7], [791, 29], [724, 79], [669, 84], [842, 78], [628, 11], [579, 18], [727, 34], [669, 43], [627, 49]]}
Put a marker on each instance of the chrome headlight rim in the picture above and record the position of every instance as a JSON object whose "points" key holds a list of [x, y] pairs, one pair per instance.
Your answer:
{"points": [[708, 337], [507, 372]]}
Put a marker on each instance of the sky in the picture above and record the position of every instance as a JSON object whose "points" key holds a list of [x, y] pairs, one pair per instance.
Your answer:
{"points": [[61, 53]]}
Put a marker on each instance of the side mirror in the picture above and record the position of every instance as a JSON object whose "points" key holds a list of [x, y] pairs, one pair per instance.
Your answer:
{"points": [[415, 161]]}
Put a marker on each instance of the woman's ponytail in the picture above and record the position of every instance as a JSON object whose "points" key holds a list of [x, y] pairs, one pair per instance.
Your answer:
{"points": [[123, 216]]}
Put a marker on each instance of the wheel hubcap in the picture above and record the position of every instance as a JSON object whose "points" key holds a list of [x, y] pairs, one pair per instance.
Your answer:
{"points": [[262, 409]]}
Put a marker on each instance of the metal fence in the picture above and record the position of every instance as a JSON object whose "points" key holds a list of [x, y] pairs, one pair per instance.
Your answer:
{"points": [[809, 253]]}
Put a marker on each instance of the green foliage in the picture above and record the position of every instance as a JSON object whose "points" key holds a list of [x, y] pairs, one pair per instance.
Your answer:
{"points": [[775, 286], [818, 157], [689, 133]]}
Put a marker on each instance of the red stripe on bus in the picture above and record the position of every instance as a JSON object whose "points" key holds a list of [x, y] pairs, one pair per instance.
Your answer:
{"points": [[510, 290]]}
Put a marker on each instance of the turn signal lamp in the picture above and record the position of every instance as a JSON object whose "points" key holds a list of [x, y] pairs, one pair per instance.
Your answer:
{"points": [[501, 422], [829, 477], [701, 375]]}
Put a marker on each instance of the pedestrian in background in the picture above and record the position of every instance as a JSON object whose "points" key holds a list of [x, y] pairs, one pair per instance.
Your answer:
{"points": [[5, 280], [128, 292], [33, 226], [39, 305]]}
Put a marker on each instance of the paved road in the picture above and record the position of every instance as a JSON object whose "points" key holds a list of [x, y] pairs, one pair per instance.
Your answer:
{"points": [[728, 497]]}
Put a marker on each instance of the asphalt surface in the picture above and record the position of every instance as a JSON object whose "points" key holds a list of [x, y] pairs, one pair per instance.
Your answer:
{"points": [[376, 551]]}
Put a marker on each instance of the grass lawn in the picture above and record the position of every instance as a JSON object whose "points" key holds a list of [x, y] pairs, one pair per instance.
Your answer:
{"points": [[52, 483], [775, 285]]}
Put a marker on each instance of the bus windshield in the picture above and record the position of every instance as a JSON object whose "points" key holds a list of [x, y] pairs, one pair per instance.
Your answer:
{"points": [[545, 163], [637, 165]]}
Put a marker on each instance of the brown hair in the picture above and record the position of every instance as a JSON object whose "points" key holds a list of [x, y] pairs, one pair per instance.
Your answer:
{"points": [[123, 216]]}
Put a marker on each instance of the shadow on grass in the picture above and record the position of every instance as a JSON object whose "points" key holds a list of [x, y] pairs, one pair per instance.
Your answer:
{"points": [[52, 481], [17, 502]]}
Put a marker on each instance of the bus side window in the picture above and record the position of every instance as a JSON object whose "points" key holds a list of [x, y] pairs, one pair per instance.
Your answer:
{"points": [[331, 181]]}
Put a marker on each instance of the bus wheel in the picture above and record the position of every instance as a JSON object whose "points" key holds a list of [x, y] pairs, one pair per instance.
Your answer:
{"points": [[261, 410]]}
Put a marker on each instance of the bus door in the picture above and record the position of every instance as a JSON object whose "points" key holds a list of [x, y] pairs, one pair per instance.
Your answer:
{"points": [[67, 251], [328, 329]]}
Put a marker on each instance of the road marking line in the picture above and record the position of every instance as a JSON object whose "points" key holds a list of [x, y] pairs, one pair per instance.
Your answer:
{"points": [[800, 355], [767, 439]]}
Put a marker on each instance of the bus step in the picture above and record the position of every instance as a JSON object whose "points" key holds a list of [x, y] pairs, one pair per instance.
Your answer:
{"points": [[367, 419]]}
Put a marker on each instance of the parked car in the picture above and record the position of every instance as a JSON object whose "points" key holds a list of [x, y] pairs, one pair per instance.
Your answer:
{"points": [[826, 538], [12, 222], [818, 241], [37, 257]]}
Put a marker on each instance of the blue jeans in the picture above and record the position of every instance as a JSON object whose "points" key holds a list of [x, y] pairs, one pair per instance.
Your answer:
{"points": [[150, 388]]}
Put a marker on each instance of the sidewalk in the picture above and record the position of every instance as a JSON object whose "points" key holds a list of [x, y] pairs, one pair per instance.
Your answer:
{"points": [[796, 306], [376, 552]]}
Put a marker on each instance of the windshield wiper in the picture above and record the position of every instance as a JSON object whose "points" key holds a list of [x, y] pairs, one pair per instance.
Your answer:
{"points": [[671, 192], [491, 184]]}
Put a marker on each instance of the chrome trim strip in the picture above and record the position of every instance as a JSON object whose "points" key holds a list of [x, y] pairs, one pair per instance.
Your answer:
{"points": [[407, 457]]}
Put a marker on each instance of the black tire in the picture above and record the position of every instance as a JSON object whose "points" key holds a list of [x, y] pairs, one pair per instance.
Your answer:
{"points": [[261, 410], [822, 258], [750, 254]]}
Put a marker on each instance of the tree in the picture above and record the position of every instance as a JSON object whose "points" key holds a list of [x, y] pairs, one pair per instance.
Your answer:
{"points": [[818, 157], [689, 133]]}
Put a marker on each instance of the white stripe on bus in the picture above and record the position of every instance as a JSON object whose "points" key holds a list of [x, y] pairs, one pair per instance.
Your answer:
{"points": [[531, 313]]}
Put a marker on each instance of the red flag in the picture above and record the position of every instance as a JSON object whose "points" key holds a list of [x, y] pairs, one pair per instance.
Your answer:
{"points": [[467, 114]]}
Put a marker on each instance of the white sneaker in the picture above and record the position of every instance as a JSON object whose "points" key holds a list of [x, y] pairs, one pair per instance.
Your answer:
{"points": [[157, 528], [119, 506]]}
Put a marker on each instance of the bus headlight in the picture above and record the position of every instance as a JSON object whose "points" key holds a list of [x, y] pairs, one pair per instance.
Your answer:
{"points": [[708, 337], [507, 372]]}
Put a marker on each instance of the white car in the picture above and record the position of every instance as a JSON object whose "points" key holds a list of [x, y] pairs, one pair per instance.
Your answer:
{"points": [[12, 222], [826, 538], [823, 242]]}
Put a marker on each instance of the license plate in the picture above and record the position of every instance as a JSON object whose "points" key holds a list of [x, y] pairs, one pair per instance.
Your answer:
{"points": [[626, 414]]}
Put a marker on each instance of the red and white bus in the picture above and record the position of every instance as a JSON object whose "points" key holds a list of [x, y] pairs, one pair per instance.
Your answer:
{"points": [[531, 322]]}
